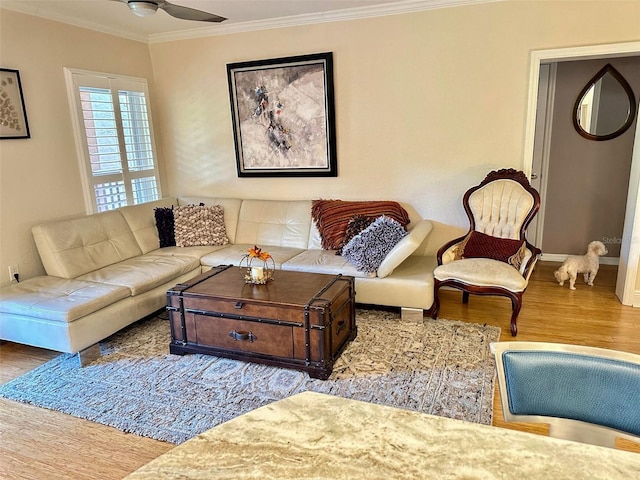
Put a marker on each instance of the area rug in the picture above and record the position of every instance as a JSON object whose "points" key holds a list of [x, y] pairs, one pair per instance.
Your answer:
{"points": [[439, 367]]}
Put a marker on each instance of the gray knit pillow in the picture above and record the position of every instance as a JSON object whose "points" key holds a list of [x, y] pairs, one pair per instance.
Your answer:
{"points": [[199, 225], [368, 249]]}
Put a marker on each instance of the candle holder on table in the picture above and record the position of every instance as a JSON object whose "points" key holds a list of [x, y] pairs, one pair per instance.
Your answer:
{"points": [[257, 266]]}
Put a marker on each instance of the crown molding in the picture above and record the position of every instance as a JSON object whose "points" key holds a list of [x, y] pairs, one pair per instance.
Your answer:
{"points": [[397, 8], [357, 13]]}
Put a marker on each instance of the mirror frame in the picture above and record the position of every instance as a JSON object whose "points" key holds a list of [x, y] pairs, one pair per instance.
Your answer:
{"points": [[608, 68]]}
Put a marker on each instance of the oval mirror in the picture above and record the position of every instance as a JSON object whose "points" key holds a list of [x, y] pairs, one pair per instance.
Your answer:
{"points": [[605, 107]]}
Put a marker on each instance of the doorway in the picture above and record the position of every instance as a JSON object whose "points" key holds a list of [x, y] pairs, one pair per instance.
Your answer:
{"points": [[630, 244], [585, 182]]}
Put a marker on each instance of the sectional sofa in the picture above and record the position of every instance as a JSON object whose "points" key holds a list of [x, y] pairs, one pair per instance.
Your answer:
{"points": [[106, 271]]}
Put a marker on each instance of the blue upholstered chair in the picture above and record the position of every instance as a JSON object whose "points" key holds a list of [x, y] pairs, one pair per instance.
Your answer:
{"points": [[586, 394]]}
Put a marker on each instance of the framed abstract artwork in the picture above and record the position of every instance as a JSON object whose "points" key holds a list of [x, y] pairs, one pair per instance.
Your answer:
{"points": [[284, 116], [13, 115]]}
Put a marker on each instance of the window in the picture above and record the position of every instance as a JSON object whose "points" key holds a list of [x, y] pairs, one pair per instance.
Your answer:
{"points": [[114, 138]]}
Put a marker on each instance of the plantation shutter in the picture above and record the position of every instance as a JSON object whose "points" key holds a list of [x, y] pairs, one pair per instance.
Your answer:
{"points": [[115, 138]]}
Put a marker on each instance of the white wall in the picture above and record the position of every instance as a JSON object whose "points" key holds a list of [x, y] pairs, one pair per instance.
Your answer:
{"points": [[427, 103]]}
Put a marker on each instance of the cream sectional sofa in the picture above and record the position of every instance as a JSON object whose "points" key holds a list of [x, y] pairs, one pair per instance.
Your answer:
{"points": [[106, 271]]}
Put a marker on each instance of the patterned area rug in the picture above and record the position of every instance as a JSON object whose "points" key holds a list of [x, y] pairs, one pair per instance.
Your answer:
{"points": [[439, 367]]}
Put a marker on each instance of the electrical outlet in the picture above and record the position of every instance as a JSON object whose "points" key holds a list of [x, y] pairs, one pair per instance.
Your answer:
{"points": [[13, 271]]}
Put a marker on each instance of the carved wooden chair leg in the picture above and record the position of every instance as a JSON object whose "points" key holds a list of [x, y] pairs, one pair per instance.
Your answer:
{"points": [[465, 297], [516, 302], [435, 308]]}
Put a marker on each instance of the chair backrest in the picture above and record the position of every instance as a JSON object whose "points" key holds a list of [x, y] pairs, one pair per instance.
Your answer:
{"points": [[502, 205], [586, 394]]}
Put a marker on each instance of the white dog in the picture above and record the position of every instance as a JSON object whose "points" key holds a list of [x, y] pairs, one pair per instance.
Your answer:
{"points": [[587, 264]]}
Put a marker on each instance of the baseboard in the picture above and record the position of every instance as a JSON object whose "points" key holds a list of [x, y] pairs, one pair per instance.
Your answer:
{"points": [[636, 299], [561, 257]]}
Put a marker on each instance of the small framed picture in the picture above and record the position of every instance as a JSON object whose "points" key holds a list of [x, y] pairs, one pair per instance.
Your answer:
{"points": [[13, 115], [283, 116]]}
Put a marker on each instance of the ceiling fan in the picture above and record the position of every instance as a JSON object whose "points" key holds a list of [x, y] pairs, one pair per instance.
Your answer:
{"points": [[144, 8]]}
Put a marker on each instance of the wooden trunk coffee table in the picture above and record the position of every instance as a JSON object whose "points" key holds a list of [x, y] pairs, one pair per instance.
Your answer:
{"points": [[297, 320]]}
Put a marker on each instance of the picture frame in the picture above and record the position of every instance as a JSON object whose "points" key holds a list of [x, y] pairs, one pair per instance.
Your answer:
{"points": [[13, 114], [283, 116]]}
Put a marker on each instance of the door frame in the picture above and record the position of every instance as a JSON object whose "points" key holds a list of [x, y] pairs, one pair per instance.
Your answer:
{"points": [[630, 247]]}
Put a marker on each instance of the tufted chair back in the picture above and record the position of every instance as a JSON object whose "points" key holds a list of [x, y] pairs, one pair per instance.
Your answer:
{"points": [[501, 207]]}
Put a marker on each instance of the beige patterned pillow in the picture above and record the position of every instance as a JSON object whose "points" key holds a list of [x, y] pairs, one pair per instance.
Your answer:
{"points": [[199, 225]]}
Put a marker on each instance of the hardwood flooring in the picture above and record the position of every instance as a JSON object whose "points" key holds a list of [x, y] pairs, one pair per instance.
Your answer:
{"points": [[36, 443]]}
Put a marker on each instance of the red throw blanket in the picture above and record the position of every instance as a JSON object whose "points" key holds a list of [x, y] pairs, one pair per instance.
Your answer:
{"points": [[332, 217]]}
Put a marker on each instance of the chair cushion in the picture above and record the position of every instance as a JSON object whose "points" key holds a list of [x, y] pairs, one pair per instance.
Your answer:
{"points": [[480, 245], [482, 272]]}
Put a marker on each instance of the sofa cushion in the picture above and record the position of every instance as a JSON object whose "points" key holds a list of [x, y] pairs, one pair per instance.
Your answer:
{"points": [[196, 225], [232, 254], [405, 248], [274, 222], [332, 217], [367, 250], [196, 252], [141, 221], [58, 299], [323, 261], [145, 272], [71, 248]]}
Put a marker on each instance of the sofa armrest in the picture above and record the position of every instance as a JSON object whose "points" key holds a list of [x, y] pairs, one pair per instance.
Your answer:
{"points": [[404, 248]]}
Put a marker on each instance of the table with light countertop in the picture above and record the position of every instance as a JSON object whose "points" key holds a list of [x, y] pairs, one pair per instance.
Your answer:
{"points": [[312, 435]]}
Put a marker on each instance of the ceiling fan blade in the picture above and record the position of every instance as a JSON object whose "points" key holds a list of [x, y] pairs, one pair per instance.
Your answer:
{"points": [[187, 13]]}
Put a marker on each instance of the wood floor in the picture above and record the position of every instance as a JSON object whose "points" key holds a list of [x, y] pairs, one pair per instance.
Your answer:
{"points": [[36, 443]]}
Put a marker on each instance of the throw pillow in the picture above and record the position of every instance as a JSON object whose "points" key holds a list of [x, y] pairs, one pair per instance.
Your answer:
{"points": [[199, 225], [481, 245], [356, 224], [332, 217], [165, 226], [368, 249]]}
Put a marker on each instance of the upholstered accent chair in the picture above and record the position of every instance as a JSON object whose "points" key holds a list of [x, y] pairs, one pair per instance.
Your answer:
{"points": [[585, 394], [494, 257]]}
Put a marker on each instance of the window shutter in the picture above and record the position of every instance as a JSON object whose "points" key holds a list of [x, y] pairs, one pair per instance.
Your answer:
{"points": [[114, 131]]}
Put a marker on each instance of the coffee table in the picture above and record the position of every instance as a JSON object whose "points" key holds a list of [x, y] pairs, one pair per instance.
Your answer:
{"points": [[297, 320]]}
